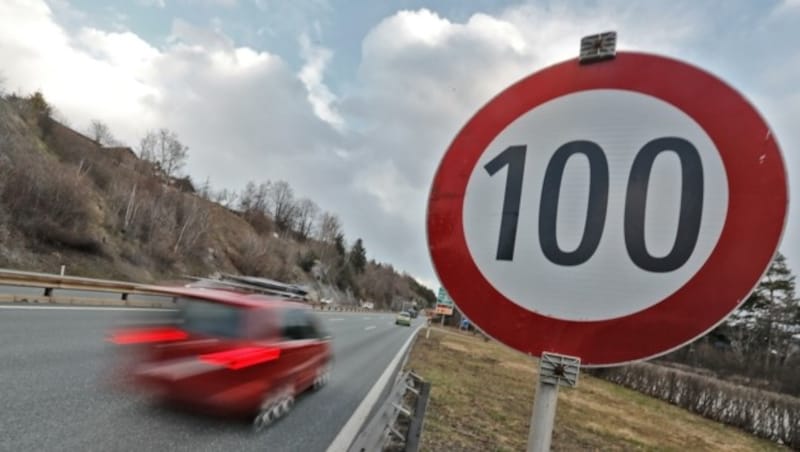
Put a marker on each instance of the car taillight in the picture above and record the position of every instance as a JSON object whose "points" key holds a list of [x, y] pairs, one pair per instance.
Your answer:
{"points": [[149, 335], [239, 358]]}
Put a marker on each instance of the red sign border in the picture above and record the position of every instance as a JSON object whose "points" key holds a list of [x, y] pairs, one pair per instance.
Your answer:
{"points": [[757, 206]]}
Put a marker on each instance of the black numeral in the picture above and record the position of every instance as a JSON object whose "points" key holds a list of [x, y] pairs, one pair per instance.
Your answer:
{"points": [[595, 210], [691, 205], [514, 158], [689, 219]]}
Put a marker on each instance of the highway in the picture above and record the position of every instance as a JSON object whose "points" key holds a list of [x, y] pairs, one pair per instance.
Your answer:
{"points": [[57, 395]]}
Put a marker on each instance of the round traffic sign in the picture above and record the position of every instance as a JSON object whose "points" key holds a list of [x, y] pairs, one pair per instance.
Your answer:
{"points": [[611, 211]]}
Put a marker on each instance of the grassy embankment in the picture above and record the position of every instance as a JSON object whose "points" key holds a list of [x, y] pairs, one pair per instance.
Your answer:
{"points": [[482, 394]]}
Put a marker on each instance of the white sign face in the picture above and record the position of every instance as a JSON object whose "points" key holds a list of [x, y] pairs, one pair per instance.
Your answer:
{"points": [[613, 200]]}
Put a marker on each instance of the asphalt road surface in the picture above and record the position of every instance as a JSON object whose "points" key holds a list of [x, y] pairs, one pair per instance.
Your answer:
{"points": [[55, 393]]}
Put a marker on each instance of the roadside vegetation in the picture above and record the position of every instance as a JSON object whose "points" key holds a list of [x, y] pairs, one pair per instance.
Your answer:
{"points": [[482, 396], [743, 373], [103, 209]]}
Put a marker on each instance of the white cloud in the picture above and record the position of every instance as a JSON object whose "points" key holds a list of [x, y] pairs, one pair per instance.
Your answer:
{"points": [[123, 50], [76, 78], [316, 59]]}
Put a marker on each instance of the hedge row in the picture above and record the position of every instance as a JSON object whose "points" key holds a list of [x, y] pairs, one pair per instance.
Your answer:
{"points": [[765, 414]]}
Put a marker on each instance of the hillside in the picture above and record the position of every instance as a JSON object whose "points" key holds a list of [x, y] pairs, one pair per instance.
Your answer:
{"points": [[104, 212]]}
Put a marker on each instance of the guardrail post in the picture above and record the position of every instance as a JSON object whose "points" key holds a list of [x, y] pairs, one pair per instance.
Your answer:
{"points": [[415, 427], [48, 292]]}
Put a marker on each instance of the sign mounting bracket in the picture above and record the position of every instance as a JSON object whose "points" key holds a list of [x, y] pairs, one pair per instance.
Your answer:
{"points": [[598, 47]]}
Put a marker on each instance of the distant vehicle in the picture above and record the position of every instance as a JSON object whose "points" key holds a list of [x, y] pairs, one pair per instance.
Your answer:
{"points": [[404, 318], [413, 313], [230, 353]]}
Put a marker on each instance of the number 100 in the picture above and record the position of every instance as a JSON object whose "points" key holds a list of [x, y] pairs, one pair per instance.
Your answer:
{"points": [[691, 206]]}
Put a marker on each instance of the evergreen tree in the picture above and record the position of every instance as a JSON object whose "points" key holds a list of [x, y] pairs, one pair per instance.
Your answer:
{"points": [[762, 327], [338, 244], [358, 256]]}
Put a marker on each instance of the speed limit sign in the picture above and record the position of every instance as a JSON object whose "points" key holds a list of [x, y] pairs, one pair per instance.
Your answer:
{"points": [[611, 212]]}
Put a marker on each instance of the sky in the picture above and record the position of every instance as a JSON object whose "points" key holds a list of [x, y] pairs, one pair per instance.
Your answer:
{"points": [[355, 102]]}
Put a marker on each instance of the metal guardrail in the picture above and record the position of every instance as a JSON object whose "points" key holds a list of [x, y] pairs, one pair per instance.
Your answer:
{"points": [[396, 426], [59, 289], [55, 289], [31, 279]]}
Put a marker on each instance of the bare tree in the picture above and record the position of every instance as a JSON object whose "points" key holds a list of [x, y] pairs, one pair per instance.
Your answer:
{"points": [[193, 224], [307, 212], [260, 200], [147, 146], [283, 205], [255, 198], [100, 133], [163, 148], [205, 189], [253, 204], [130, 209], [247, 197], [328, 228], [329, 233]]}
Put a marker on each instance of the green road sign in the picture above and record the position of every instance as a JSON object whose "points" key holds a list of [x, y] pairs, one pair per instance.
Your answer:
{"points": [[444, 297]]}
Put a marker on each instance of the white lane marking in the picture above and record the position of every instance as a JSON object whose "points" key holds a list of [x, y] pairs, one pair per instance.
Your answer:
{"points": [[348, 433], [371, 327], [84, 308], [333, 320]]}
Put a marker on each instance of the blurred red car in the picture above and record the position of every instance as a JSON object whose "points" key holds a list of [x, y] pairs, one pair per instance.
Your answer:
{"points": [[230, 353]]}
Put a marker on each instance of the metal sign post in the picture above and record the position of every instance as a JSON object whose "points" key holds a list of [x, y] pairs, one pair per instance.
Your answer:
{"points": [[554, 370]]}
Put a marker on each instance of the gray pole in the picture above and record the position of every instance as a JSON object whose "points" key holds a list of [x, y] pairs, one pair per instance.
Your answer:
{"points": [[543, 417], [554, 370]]}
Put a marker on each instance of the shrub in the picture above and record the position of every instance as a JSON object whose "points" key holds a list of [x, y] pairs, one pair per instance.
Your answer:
{"points": [[261, 256], [260, 222], [55, 235], [765, 414], [49, 200], [249, 255]]}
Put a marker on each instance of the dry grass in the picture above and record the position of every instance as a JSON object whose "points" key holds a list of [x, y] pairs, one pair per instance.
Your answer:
{"points": [[482, 395]]}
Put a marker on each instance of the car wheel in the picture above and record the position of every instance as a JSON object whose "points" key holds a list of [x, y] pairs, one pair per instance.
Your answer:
{"points": [[274, 407], [323, 376]]}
